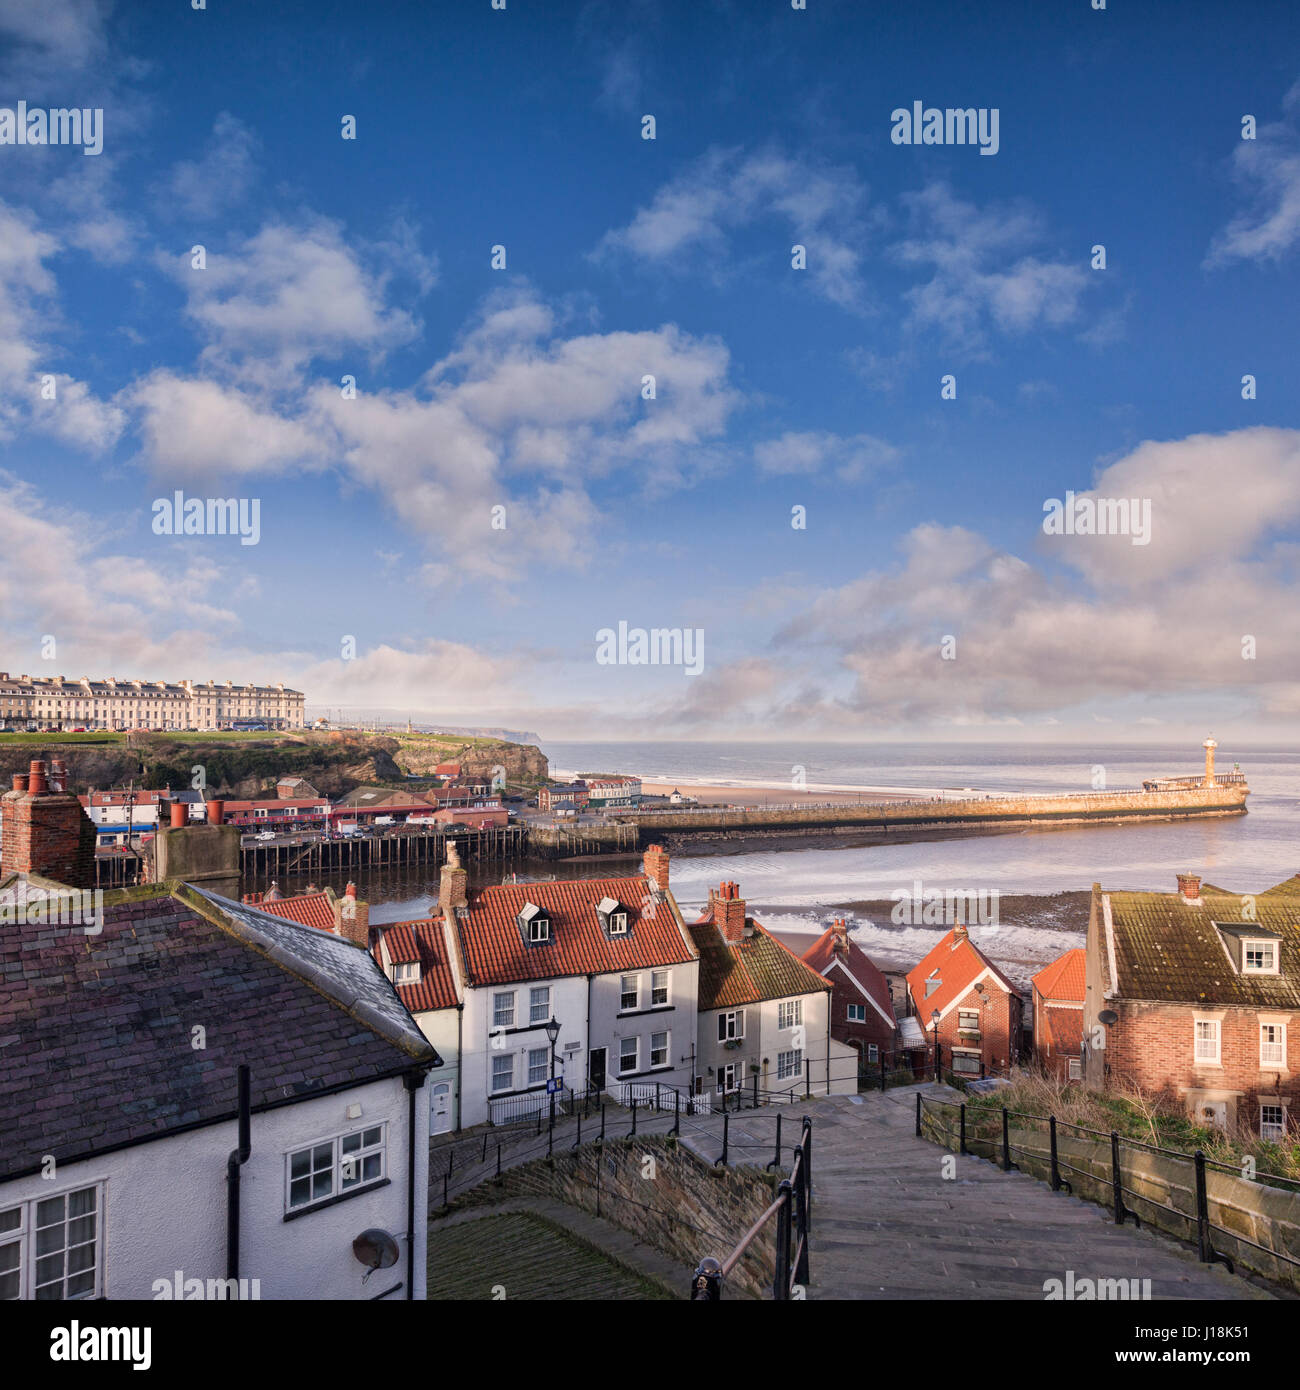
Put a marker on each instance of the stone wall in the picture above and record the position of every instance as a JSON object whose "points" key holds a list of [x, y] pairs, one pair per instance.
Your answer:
{"points": [[663, 1194], [1160, 1188]]}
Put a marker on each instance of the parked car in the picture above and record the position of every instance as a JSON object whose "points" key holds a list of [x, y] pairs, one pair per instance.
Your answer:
{"points": [[385, 820], [266, 835]]}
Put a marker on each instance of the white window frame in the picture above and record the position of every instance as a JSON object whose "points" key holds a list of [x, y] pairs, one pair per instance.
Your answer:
{"points": [[657, 989], [532, 1063], [963, 1026], [1262, 943], [666, 1049], [1266, 1128], [498, 1009], [497, 1057], [1074, 1069], [24, 1238], [727, 1072], [623, 992], [618, 924], [789, 1063], [1272, 1055], [636, 1055], [731, 1026], [539, 930], [533, 1004], [857, 1013], [873, 1052], [1201, 1053], [406, 972], [789, 1013], [340, 1160]]}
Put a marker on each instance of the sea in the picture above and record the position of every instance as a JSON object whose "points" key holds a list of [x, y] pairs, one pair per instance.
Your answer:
{"points": [[798, 891]]}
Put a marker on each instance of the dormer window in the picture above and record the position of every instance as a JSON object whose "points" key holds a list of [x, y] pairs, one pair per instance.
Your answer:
{"points": [[1258, 957], [535, 925], [406, 973], [613, 917]]}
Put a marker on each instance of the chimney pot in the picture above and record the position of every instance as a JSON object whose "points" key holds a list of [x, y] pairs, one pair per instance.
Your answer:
{"points": [[1189, 885]]}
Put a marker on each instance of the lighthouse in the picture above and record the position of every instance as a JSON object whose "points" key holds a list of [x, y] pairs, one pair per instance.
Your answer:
{"points": [[1209, 745]]}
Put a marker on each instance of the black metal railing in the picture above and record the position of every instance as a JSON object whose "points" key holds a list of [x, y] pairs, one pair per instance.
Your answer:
{"points": [[1114, 1189], [791, 1210]]}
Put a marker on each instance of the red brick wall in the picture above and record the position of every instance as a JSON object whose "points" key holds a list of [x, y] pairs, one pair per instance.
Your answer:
{"points": [[999, 1026], [875, 1030], [1153, 1045], [51, 835]]}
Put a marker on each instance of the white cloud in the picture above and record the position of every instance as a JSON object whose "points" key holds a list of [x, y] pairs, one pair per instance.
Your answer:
{"points": [[697, 214], [220, 177], [812, 452], [1267, 169]]}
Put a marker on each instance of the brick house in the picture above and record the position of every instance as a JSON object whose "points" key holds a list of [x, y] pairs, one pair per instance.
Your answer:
{"points": [[321, 908], [979, 1010], [572, 796], [862, 1010], [1058, 1016], [1196, 994]]}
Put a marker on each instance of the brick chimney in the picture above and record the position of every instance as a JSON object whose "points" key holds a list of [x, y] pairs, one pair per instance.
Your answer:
{"points": [[959, 933], [840, 941], [728, 912], [47, 832], [655, 863], [1189, 885], [452, 885], [352, 917]]}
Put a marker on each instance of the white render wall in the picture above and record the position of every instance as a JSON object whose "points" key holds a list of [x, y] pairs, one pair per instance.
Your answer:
{"points": [[610, 1024], [763, 1041], [165, 1203]]}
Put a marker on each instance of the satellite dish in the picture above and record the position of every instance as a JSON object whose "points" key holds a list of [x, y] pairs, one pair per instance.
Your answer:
{"points": [[1108, 1016], [376, 1249]]}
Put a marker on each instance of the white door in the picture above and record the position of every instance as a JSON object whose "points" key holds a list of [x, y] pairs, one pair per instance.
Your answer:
{"points": [[440, 1107], [1214, 1113]]}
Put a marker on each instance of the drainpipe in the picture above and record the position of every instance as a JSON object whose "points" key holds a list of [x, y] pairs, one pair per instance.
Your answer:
{"points": [[587, 1042], [413, 1081], [829, 1006], [460, 1059], [238, 1157]]}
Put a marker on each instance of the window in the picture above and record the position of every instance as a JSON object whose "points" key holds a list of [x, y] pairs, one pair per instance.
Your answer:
{"points": [[405, 973], [658, 1049], [627, 1054], [334, 1166], [503, 1010], [873, 1052], [968, 1020], [618, 924], [538, 1065], [731, 1026], [539, 1004], [726, 1078], [1207, 1040], [1272, 1044], [539, 930], [49, 1249], [967, 1063], [503, 1072], [789, 1012], [1075, 1069], [658, 988], [1259, 957], [789, 1063], [857, 1013], [630, 992], [1272, 1122]]}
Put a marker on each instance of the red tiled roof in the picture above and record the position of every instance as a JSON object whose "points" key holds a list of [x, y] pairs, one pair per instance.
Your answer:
{"points": [[959, 963], [421, 941], [494, 947], [1063, 979], [821, 955], [311, 909], [280, 803], [756, 968]]}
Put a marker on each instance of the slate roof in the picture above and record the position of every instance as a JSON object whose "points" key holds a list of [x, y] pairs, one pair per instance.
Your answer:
{"points": [[95, 1029], [422, 941], [821, 956], [756, 968], [1064, 977], [959, 963], [1166, 949], [495, 952]]}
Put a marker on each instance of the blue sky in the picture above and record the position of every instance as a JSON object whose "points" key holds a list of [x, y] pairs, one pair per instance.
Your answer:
{"points": [[521, 388]]}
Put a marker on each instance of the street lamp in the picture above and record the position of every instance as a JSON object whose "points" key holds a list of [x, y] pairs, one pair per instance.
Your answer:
{"points": [[934, 1020], [552, 1033]]}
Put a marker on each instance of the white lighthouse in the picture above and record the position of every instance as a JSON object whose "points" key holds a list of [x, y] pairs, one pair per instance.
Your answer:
{"points": [[1209, 745]]}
